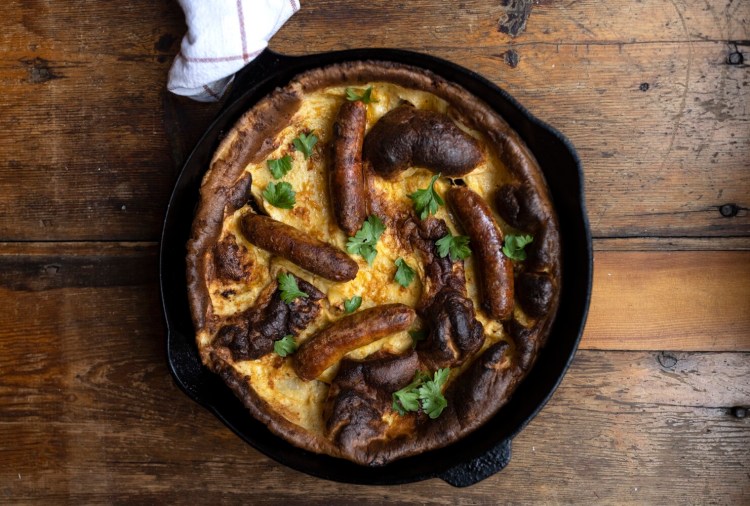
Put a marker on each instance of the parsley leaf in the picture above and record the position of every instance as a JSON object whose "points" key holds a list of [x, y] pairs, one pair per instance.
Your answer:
{"points": [[289, 288], [406, 399], [285, 346], [457, 246], [280, 166], [364, 241], [280, 195], [351, 305], [427, 200], [422, 392], [304, 143], [365, 97], [514, 245], [404, 274], [431, 394], [416, 336]]}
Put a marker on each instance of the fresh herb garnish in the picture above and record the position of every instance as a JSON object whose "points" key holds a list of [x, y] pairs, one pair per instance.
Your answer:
{"points": [[351, 305], [304, 143], [427, 200], [279, 166], [423, 392], [514, 246], [364, 241], [285, 346], [280, 195], [457, 246], [289, 288], [404, 274], [353, 95], [431, 394], [416, 336], [407, 399]]}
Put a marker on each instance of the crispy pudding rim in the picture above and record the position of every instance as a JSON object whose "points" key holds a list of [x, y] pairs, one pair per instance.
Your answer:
{"points": [[250, 140], [490, 444]]}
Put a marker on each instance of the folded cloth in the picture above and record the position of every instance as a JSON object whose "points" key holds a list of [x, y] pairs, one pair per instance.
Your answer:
{"points": [[223, 36]]}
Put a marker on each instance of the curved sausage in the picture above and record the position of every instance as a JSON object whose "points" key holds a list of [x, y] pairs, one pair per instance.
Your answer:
{"points": [[520, 207], [330, 345], [346, 179], [407, 137], [486, 240], [535, 293], [309, 253]]}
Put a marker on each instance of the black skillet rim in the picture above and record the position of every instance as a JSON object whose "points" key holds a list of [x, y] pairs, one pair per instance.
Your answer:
{"points": [[480, 454]]}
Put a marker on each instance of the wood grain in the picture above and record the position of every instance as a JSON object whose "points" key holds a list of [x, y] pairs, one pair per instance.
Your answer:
{"points": [[473, 23], [642, 300], [680, 148], [123, 426], [702, 300], [653, 94]]}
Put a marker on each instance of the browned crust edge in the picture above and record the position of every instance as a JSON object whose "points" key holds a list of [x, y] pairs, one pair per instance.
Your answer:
{"points": [[249, 141]]}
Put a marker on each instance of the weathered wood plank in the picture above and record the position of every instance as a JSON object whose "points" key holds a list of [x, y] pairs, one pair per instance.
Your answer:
{"points": [[642, 300], [660, 162], [99, 109], [424, 24], [693, 300], [624, 426], [672, 244], [683, 161]]}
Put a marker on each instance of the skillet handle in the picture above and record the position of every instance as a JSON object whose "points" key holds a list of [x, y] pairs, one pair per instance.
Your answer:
{"points": [[474, 471], [254, 72]]}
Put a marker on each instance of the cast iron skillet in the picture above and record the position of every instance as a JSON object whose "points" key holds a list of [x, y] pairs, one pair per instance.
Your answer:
{"points": [[487, 450]]}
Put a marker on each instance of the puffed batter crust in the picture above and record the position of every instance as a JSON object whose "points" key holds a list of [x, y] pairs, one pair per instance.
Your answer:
{"points": [[484, 376]]}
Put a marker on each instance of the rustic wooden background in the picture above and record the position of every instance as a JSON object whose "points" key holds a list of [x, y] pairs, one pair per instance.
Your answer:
{"points": [[654, 95]]}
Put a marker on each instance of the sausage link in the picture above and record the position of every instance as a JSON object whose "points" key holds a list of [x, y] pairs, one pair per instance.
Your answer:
{"points": [[330, 345], [347, 179], [309, 253], [406, 136], [486, 240]]}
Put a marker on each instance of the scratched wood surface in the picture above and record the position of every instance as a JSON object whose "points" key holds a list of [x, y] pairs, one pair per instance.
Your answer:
{"points": [[655, 96]]}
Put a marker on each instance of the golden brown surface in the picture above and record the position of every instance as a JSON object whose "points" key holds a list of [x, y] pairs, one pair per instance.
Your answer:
{"points": [[235, 254], [88, 412]]}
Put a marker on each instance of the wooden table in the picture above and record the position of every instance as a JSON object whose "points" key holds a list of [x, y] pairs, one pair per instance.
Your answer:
{"points": [[654, 94]]}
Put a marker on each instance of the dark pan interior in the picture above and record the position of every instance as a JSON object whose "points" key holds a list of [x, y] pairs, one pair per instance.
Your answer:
{"points": [[483, 452]]}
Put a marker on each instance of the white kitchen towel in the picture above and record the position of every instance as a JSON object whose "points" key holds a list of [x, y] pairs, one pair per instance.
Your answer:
{"points": [[223, 36]]}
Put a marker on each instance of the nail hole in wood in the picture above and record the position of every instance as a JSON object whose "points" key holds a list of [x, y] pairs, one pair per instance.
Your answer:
{"points": [[729, 210], [739, 412]]}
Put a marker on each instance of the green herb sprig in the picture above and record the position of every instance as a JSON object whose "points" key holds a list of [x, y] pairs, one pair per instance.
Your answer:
{"points": [[457, 246], [351, 305], [416, 336], [427, 200], [289, 288], [404, 273], [364, 241], [353, 95], [279, 166], [424, 393], [280, 195], [285, 346], [514, 246], [304, 143]]}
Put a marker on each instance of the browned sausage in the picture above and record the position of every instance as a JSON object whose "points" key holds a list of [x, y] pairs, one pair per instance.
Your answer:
{"points": [[347, 180], [406, 137], [330, 345], [309, 253], [521, 207], [486, 239]]}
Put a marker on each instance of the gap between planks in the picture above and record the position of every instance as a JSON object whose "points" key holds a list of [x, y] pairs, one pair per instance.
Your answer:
{"points": [[641, 300]]}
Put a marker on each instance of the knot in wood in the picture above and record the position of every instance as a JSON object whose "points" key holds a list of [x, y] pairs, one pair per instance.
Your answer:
{"points": [[729, 210]]}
